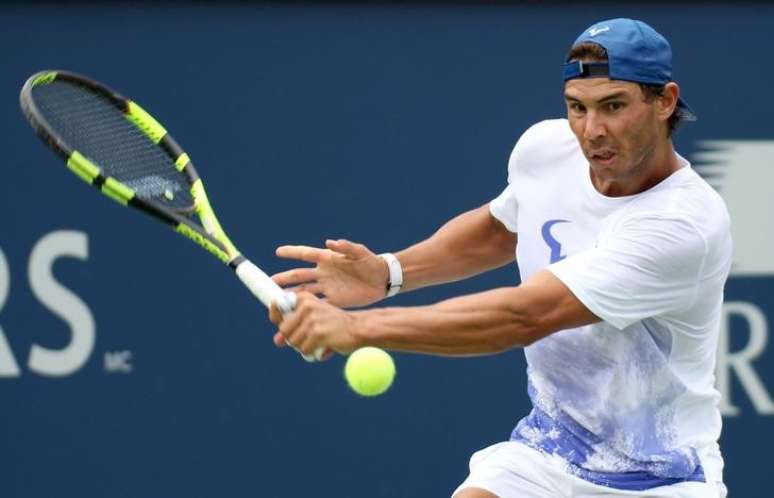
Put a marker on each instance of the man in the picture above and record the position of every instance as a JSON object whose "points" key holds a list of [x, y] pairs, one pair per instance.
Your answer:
{"points": [[623, 252]]}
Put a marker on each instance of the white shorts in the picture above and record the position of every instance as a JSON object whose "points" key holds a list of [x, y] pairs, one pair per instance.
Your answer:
{"points": [[514, 470]]}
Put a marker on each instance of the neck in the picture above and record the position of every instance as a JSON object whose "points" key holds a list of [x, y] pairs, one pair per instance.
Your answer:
{"points": [[653, 168]]}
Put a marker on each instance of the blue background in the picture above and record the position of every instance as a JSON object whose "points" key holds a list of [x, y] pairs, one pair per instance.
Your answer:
{"points": [[375, 123]]}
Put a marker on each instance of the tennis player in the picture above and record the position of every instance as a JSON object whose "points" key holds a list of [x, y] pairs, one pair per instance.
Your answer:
{"points": [[623, 251]]}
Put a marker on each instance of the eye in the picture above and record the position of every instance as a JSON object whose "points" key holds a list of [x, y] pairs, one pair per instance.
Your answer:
{"points": [[577, 107], [614, 106]]}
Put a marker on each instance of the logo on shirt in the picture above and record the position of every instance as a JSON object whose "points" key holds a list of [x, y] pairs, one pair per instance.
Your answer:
{"points": [[554, 245], [741, 172]]}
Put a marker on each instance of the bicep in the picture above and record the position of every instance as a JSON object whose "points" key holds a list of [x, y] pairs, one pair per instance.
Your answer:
{"points": [[469, 244], [478, 236]]}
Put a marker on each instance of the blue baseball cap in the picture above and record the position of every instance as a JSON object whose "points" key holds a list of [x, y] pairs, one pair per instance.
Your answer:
{"points": [[635, 52]]}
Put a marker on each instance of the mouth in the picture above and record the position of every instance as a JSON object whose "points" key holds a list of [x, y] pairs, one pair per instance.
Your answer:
{"points": [[605, 157]]}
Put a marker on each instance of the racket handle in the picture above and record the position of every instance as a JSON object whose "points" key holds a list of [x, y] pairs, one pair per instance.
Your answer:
{"points": [[267, 291]]}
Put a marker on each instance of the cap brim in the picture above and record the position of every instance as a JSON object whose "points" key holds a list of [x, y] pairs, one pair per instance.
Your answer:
{"points": [[685, 112]]}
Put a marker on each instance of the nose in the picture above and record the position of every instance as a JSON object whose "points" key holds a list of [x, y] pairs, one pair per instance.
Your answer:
{"points": [[594, 128]]}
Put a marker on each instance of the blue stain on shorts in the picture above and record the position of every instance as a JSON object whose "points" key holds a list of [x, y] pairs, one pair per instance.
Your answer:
{"points": [[575, 445]]}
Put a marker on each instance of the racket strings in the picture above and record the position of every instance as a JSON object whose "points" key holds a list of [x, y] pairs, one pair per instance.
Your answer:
{"points": [[91, 124]]}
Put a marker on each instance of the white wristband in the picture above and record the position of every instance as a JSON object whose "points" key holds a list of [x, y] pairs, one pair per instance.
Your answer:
{"points": [[395, 280]]}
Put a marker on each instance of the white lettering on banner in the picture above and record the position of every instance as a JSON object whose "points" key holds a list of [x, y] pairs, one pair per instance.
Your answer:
{"points": [[8, 365], [741, 361], [742, 173], [118, 362], [62, 302]]}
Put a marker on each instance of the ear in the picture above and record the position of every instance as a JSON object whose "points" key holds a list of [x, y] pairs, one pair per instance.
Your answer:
{"points": [[668, 101]]}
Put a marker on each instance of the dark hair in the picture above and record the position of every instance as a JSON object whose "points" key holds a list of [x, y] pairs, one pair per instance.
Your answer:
{"points": [[592, 52]]}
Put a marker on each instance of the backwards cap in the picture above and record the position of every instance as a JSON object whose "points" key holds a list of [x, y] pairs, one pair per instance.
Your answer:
{"points": [[635, 52]]}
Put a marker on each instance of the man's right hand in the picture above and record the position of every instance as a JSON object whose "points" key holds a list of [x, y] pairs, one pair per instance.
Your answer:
{"points": [[345, 273]]}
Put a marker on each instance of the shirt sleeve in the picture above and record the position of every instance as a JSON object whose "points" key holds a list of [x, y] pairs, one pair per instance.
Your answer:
{"points": [[648, 267], [505, 208], [526, 154]]}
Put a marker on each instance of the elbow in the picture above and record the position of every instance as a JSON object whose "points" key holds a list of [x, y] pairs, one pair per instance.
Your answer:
{"points": [[528, 338], [513, 339], [528, 330], [511, 329]]}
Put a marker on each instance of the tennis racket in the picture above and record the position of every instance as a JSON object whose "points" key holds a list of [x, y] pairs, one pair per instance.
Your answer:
{"points": [[113, 144]]}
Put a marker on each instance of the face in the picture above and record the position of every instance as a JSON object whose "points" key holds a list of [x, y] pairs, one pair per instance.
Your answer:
{"points": [[616, 128]]}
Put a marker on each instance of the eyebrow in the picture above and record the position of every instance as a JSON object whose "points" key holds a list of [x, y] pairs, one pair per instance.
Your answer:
{"points": [[612, 96]]}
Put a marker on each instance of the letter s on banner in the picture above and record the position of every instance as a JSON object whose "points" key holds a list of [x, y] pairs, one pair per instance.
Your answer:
{"points": [[8, 365], [62, 302]]}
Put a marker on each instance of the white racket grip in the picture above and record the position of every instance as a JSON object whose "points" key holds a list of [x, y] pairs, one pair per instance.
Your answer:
{"points": [[263, 287], [267, 291]]}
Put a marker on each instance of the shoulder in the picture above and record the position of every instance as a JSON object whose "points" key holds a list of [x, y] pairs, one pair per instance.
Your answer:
{"points": [[709, 215], [548, 132], [688, 211], [691, 200], [548, 140]]}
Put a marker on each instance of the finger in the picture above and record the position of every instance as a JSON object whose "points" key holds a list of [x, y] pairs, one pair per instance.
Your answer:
{"points": [[288, 328], [304, 305], [293, 323], [296, 328], [275, 315], [327, 355], [290, 344], [295, 276], [313, 288], [311, 358], [347, 248], [303, 253], [279, 340], [308, 358], [308, 347]]}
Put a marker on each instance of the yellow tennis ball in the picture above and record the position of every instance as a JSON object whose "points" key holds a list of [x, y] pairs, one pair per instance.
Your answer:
{"points": [[369, 371]]}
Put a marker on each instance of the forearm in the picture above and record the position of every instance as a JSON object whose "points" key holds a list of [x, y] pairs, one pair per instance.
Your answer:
{"points": [[477, 324], [483, 323], [467, 245]]}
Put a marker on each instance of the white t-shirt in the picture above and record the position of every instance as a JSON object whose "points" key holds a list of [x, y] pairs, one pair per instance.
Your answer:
{"points": [[628, 402]]}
